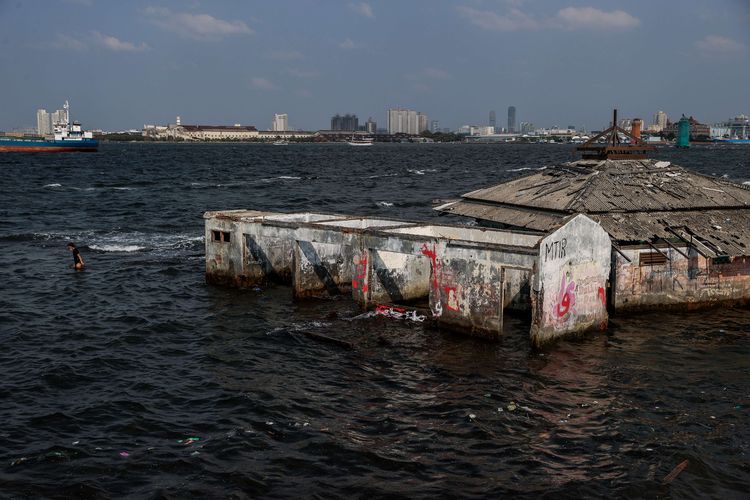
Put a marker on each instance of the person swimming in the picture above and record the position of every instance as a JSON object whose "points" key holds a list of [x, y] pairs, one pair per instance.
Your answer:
{"points": [[78, 263]]}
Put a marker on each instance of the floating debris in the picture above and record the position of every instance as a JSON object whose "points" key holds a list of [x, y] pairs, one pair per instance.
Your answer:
{"points": [[675, 472]]}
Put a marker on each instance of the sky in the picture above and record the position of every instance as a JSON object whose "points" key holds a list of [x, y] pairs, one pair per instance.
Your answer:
{"points": [[559, 62]]}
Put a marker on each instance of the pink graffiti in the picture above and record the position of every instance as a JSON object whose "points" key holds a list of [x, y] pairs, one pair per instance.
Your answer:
{"points": [[567, 297], [361, 270], [603, 296]]}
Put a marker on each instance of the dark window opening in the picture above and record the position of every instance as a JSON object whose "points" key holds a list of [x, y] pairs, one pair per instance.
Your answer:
{"points": [[216, 235], [652, 259], [721, 259], [226, 236]]}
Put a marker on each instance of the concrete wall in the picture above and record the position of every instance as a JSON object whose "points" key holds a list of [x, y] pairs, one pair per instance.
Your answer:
{"points": [[468, 283], [569, 293], [680, 282]]}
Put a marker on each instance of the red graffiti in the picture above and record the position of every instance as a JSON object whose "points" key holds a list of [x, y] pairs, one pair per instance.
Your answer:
{"points": [[567, 297], [361, 273], [451, 298], [432, 254], [603, 296]]}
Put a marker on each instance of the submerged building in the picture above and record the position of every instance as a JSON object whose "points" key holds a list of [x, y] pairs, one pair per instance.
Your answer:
{"points": [[679, 238], [569, 244]]}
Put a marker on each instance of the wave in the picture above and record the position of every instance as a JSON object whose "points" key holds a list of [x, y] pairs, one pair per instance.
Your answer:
{"points": [[117, 248], [55, 185], [384, 204]]}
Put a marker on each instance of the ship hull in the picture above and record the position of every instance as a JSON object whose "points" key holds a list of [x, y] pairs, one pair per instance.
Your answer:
{"points": [[47, 146]]}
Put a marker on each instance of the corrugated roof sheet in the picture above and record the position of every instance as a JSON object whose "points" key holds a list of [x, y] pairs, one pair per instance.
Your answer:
{"points": [[633, 200], [616, 185]]}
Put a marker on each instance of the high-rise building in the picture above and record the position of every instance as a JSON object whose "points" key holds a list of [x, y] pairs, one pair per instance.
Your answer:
{"points": [[660, 121], [511, 119], [280, 123], [434, 126], [493, 120], [527, 127], [43, 122], [422, 123], [371, 126], [346, 122], [406, 121]]}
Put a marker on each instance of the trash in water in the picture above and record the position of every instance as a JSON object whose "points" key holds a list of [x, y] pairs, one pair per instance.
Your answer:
{"points": [[675, 472], [189, 441], [511, 406], [195, 453], [472, 416], [75, 443], [392, 312], [124, 454], [269, 423]]}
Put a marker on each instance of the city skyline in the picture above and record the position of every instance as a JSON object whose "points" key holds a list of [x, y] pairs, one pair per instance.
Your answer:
{"points": [[124, 65]]}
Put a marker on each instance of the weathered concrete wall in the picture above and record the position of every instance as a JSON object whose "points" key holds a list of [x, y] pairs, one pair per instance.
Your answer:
{"points": [[679, 282], [225, 259], [569, 294]]}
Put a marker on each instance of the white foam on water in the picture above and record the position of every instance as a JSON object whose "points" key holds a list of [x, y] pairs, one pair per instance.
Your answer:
{"points": [[415, 171], [53, 185], [289, 177], [117, 248], [385, 204], [746, 183], [381, 175], [124, 188]]}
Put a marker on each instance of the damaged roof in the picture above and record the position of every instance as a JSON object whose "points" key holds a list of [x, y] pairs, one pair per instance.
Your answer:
{"points": [[634, 201]]}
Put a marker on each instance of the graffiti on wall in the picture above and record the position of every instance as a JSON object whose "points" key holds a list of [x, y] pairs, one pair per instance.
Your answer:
{"points": [[359, 280], [566, 298], [435, 305], [555, 249]]}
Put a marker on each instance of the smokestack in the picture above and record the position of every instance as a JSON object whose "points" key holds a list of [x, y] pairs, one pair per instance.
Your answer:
{"points": [[635, 131]]}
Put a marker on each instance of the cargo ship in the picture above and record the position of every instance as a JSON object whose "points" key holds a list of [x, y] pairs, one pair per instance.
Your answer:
{"points": [[67, 137]]}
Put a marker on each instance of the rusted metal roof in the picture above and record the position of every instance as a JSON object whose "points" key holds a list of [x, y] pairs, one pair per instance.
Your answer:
{"points": [[616, 185], [634, 201]]}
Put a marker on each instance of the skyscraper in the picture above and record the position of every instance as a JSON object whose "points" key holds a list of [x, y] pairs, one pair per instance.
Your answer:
{"points": [[406, 121], [511, 119], [371, 126], [493, 120], [43, 122], [280, 123], [660, 121], [346, 122]]}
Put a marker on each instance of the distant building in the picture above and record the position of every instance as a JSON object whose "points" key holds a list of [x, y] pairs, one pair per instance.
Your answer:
{"points": [[434, 126], [660, 122], [511, 119], [527, 127], [697, 130], [371, 126], [493, 120], [280, 123], [43, 122], [346, 122], [406, 121]]}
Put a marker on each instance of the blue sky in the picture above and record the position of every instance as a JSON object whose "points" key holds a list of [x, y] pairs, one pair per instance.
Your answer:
{"points": [[124, 64]]}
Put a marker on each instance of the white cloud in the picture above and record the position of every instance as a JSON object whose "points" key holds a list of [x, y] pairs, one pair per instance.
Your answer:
{"points": [[348, 44], [591, 18], [429, 74], [66, 42], [285, 55], [715, 44], [197, 26], [514, 20], [303, 73], [260, 83], [570, 18], [362, 8], [111, 43], [436, 74]]}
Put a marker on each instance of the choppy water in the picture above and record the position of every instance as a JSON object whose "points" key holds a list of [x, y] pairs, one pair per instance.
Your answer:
{"points": [[134, 378]]}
